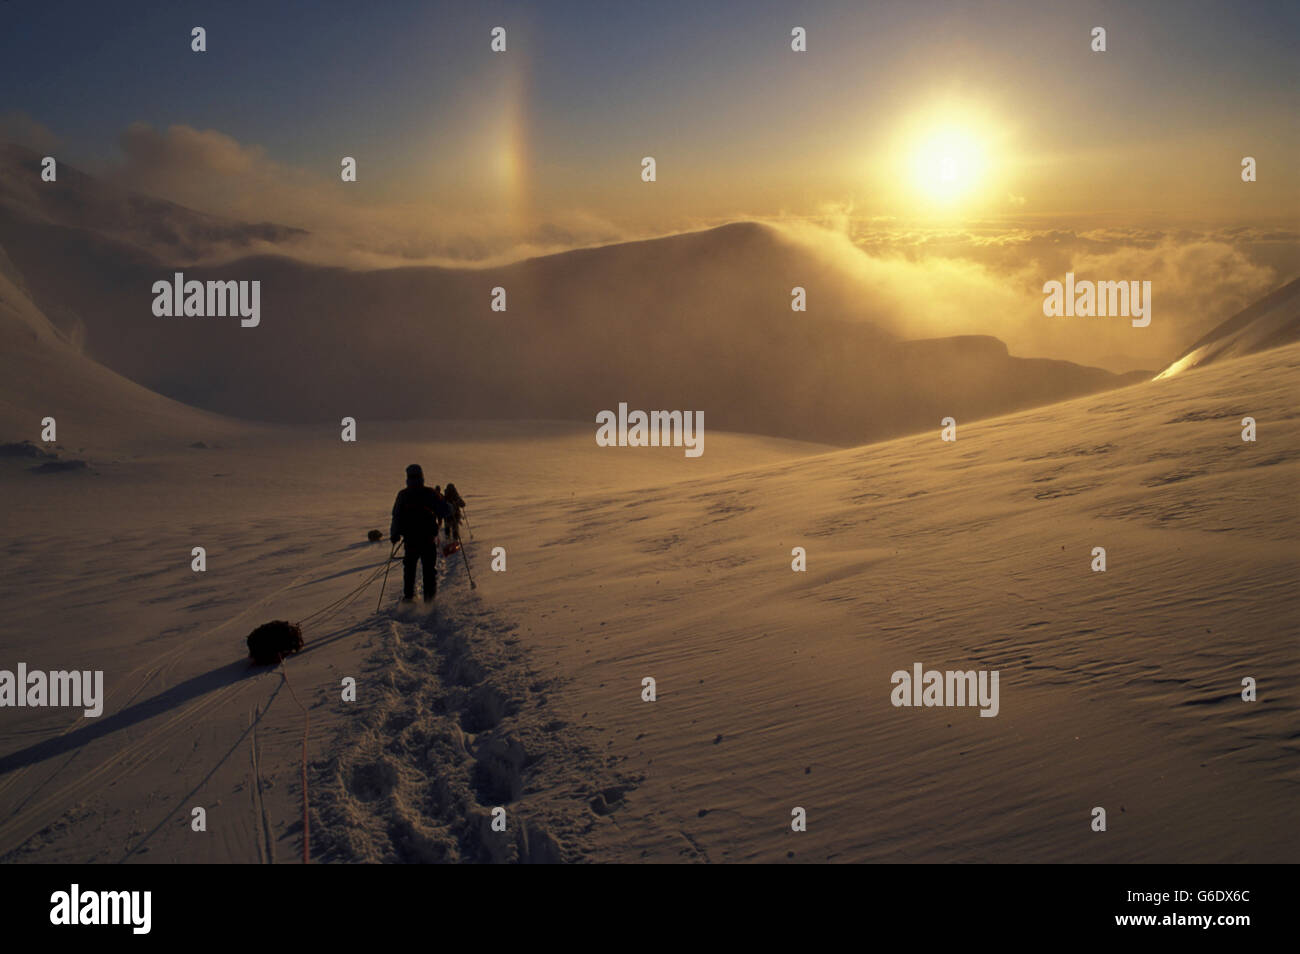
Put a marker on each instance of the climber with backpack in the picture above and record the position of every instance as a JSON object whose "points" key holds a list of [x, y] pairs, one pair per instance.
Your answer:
{"points": [[456, 506], [417, 513]]}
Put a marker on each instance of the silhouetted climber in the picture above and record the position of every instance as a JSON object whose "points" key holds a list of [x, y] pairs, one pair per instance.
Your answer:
{"points": [[456, 507], [416, 514], [446, 508]]}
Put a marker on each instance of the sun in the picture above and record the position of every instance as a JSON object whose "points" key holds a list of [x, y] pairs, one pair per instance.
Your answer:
{"points": [[948, 162]]}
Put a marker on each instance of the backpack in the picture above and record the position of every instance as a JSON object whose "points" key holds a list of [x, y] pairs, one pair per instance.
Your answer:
{"points": [[420, 511], [273, 640]]}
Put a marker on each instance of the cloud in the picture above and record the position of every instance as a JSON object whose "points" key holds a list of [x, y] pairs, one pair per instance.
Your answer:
{"points": [[916, 280], [184, 157], [18, 127], [213, 172], [919, 282]]}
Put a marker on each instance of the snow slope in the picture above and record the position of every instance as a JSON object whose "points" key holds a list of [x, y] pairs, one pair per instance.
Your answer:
{"points": [[98, 576], [46, 376], [1272, 321], [1118, 689]]}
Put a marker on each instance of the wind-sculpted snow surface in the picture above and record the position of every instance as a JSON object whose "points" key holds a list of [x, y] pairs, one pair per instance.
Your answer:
{"points": [[1120, 688]]}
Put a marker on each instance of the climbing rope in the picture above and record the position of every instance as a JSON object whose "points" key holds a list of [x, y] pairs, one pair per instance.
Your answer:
{"points": [[348, 598], [336, 606], [306, 728]]}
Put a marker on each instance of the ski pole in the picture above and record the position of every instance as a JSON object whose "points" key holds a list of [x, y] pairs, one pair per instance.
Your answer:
{"points": [[468, 527], [464, 556], [388, 566]]}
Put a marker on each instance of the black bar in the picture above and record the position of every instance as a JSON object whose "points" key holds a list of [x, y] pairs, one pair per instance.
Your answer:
{"points": [[234, 904]]}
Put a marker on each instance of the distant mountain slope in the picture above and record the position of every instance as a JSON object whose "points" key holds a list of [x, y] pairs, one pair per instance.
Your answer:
{"points": [[698, 321], [44, 376], [1271, 322]]}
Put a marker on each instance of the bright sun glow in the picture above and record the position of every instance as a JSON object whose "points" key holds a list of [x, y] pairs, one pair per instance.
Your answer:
{"points": [[948, 162]]}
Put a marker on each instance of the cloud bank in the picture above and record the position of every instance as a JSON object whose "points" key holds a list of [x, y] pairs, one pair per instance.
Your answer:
{"points": [[916, 280]]}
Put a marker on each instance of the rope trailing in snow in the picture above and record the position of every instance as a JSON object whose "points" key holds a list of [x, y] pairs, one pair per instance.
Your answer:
{"points": [[306, 727], [391, 556], [348, 598], [329, 609], [337, 606]]}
